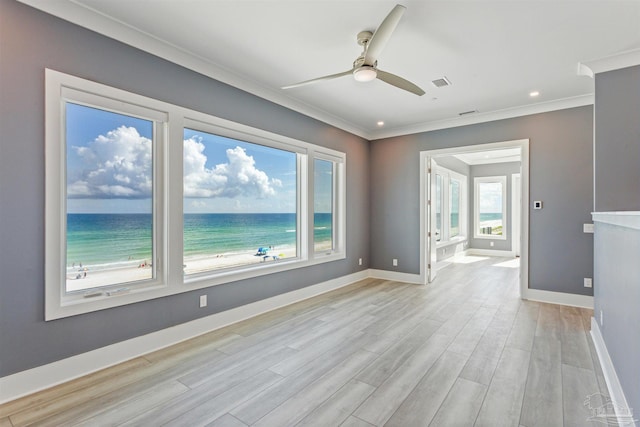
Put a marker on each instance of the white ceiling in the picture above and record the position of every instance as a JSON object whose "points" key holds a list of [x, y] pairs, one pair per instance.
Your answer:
{"points": [[489, 157], [493, 52]]}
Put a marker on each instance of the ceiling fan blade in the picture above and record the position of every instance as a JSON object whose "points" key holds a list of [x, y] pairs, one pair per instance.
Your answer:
{"points": [[399, 82], [383, 34], [318, 79]]}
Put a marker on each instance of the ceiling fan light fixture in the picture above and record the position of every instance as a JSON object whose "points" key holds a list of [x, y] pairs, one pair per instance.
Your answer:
{"points": [[365, 73]]}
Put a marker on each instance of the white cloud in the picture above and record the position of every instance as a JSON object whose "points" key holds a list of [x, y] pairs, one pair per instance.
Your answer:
{"points": [[119, 165], [115, 165], [238, 177]]}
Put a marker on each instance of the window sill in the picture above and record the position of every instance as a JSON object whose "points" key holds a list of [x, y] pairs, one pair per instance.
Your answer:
{"points": [[204, 280], [454, 241], [487, 237]]}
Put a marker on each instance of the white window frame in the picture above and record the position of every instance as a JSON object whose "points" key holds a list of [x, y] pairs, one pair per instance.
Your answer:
{"points": [[447, 176], [167, 197], [502, 179], [338, 206]]}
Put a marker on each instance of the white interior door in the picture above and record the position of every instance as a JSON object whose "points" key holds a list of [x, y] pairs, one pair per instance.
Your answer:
{"points": [[431, 221]]}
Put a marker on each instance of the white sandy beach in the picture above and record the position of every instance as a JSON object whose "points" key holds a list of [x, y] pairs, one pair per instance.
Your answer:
{"points": [[192, 265]]}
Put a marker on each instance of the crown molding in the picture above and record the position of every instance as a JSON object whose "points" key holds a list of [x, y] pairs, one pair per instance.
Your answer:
{"points": [[93, 20], [620, 60], [81, 15], [508, 113]]}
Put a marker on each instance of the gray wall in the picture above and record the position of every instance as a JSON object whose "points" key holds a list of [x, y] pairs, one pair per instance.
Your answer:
{"points": [[617, 140], [617, 187], [494, 169], [617, 293], [30, 41], [561, 174]]}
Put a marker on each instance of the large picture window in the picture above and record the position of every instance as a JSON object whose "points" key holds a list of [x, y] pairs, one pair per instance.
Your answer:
{"points": [[490, 200], [240, 203], [109, 198], [146, 199]]}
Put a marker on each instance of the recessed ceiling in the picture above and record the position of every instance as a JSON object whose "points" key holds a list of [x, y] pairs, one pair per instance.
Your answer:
{"points": [[489, 157], [494, 53]]}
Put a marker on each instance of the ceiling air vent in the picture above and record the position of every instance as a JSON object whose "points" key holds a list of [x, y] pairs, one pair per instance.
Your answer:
{"points": [[441, 82], [467, 112]]}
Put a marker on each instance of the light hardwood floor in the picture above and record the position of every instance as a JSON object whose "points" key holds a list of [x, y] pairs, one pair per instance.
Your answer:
{"points": [[462, 351]]}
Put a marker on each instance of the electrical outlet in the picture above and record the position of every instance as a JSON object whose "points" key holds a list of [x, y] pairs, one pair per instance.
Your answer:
{"points": [[395, 262], [491, 244], [588, 282], [203, 301], [359, 261]]}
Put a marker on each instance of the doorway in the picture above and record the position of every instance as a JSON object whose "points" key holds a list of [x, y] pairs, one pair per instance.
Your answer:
{"points": [[430, 222]]}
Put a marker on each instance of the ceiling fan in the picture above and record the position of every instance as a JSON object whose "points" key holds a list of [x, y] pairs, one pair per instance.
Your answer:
{"points": [[365, 67]]}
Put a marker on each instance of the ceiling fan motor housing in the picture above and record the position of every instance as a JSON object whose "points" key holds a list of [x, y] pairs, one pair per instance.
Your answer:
{"points": [[365, 73]]}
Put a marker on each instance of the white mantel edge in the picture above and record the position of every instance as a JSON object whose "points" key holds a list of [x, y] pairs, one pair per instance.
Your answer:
{"points": [[628, 219]]}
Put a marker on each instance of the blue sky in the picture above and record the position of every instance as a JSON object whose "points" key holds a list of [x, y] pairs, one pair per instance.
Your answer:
{"points": [[225, 175], [109, 169], [108, 161]]}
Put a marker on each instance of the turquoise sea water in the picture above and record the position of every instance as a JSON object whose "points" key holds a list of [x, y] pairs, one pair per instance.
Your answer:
{"points": [[104, 241], [490, 216]]}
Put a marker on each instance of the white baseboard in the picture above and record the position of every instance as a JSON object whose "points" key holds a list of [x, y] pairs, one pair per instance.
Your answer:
{"points": [[573, 300], [396, 276], [616, 393], [42, 377], [490, 252]]}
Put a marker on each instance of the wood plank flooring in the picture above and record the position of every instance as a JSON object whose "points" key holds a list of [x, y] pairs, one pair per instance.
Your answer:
{"points": [[462, 351]]}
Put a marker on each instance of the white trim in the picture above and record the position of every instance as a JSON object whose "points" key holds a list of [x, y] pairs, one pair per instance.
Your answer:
{"points": [[628, 219], [515, 207], [168, 196], [508, 113], [617, 61], [42, 377], [611, 378], [490, 252], [561, 298], [86, 17], [523, 144], [33, 380], [415, 279], [447, 176]]}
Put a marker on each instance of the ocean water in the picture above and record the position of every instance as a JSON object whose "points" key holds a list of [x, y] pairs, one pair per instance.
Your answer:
{"points": [[104, 241], [490, 216]]}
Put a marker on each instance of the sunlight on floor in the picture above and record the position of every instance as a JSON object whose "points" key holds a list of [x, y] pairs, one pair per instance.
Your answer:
{"points": [[512, 263], [468, 259]]}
